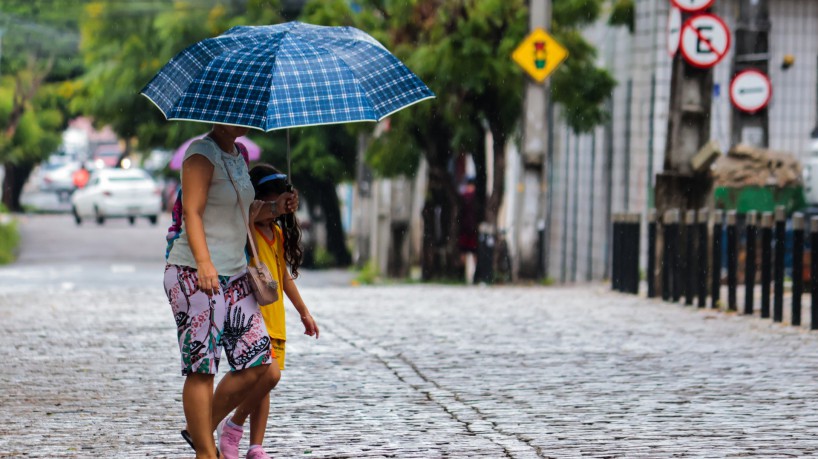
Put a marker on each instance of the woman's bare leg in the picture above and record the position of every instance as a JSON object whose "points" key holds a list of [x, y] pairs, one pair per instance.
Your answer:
{"points": [[197, 400]]}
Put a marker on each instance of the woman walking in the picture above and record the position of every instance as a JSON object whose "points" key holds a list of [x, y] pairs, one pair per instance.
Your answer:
{"points": [[206, 284]]}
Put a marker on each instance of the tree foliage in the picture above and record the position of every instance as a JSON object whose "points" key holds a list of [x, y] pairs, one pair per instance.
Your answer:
{"points": [[461, 50], [39, 53]]}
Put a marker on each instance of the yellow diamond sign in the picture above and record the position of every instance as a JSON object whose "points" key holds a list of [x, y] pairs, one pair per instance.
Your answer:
{"points": [[539, 55]]}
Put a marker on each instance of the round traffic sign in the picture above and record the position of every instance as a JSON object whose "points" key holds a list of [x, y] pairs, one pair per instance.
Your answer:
{"points": [[705, 40], [674, 30], [693, 6], [751, 90]]}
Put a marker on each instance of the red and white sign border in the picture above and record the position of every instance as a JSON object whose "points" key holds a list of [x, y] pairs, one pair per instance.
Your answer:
{"points": [[721, 55], [766, 101], [692, 10]]}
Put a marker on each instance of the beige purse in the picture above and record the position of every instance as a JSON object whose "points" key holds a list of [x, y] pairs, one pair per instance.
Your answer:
{"points": [[264, 287]]}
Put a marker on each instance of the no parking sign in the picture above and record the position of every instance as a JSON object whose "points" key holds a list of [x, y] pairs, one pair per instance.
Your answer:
{"points": [[705, 40]]}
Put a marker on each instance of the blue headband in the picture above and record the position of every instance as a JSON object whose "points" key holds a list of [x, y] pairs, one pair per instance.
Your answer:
{"points": [[270, 178]]}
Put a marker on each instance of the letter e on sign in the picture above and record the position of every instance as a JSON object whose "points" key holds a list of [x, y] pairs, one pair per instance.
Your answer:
{"points": [[705, 40]]}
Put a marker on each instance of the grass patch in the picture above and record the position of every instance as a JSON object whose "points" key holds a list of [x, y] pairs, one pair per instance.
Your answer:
{"points": [[368, 275], [9, 238], [322, 259]]}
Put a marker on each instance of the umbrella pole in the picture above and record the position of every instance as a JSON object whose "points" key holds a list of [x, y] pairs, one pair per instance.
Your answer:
{"points": [[288, 158], [289, 221]]}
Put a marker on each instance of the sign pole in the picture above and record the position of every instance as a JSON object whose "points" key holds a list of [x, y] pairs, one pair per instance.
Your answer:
{"points": [[752, 53], [538, 55]]}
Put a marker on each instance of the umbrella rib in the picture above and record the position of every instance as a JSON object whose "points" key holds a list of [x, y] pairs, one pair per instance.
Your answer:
{"points": [[406, 106]]}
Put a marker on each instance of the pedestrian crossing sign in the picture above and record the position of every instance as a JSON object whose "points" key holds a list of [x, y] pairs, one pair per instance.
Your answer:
{"points": [[539, 55]]}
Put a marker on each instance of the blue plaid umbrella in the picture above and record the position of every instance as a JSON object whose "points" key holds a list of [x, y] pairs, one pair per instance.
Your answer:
{"points": [[286, 75]]}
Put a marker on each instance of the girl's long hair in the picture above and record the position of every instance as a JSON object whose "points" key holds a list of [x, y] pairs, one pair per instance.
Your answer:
{"points": [[293, 253]]}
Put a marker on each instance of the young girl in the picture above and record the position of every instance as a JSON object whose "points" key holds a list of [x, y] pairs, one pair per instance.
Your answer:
{"points": [[278, 246]]}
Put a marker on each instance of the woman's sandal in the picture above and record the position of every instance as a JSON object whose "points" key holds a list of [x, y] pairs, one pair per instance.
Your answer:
{"points": [[189, 440]]}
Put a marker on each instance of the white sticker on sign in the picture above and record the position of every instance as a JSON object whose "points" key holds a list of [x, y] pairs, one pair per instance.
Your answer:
{"points": [[705, 40], [751, 91], [693, 6], [674, 30]]}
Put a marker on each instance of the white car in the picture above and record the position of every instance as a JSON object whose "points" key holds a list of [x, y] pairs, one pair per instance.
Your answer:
{"points": [[57, 176], [118, 193]]}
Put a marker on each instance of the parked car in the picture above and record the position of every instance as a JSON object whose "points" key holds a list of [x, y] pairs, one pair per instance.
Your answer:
{"points": [[57, 176], [118, 193]]}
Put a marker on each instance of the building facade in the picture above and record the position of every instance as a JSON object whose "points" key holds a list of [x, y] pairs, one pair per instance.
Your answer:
{"points": [[613, 169]]}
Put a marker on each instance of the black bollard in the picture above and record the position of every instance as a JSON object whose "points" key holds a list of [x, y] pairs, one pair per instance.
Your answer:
{"points": [[778, 266], [702, 248], [624, 253], [667, 265], [615, 253], [651, 275], [673, 233], [813, 273], [635, 233], [766, 261], [618, 261], [690, 257], [484, 274], [676, 256], [797, 266], [750, 263], [732, 260], [715, 270]]}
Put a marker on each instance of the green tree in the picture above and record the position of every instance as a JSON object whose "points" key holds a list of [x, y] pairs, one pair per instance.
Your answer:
{"points": [[39, 54], [462, 49], [125, 44]]}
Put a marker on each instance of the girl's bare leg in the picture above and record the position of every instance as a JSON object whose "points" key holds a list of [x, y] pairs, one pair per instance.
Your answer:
{"points": [[257, 405], [197, 400], [258, 420], [233, 389]]}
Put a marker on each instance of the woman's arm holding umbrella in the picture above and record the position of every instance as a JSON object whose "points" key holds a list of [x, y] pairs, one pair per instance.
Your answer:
{"points": [[197, 171]]}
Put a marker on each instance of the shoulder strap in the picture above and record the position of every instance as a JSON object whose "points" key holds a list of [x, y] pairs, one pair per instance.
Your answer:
{"points": [[244, 153], [243, 212]]}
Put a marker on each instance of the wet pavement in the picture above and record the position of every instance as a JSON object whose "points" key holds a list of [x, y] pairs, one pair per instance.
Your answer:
{"points": [[91, 369]]}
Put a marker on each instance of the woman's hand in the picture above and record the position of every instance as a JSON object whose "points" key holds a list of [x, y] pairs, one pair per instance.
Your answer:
{"points": [[293, 204], [287, 203], [208, 278], [310, 327]]}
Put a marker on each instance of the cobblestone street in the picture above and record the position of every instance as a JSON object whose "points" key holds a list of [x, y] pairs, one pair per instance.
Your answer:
{"points": [[419, 371]]}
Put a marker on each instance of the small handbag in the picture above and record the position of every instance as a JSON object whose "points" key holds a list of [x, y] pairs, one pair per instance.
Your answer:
{"points": [[264, 287]]}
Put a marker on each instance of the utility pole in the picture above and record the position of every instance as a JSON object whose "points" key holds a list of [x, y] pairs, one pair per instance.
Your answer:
{"points": [[532, 185], [752, 52], [678, 186]]}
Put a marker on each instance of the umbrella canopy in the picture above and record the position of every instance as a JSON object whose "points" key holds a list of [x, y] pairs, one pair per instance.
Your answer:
{"points": [[285, 75], [253, 151]]}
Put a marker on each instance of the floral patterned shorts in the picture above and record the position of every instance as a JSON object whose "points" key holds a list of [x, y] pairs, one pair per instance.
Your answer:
{"points": [[230, 319]]}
